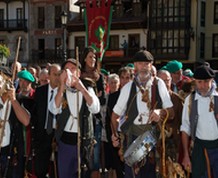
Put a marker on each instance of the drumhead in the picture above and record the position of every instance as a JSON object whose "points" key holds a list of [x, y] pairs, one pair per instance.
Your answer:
{"points": [[140, 148]]}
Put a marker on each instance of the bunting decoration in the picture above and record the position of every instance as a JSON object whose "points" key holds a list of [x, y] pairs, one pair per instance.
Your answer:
{"points": [[98, 15]]}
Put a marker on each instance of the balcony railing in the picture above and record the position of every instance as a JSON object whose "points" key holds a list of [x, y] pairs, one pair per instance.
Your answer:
{"points": [[50, 55], [56, 56], [10, 25]]}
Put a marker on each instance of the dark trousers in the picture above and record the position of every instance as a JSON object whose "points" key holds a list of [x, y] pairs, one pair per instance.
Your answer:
{"points": [[43, 151], [67, 160], [213, 157]]}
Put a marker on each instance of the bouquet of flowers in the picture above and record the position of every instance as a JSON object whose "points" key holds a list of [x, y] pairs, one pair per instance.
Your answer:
{"points": [[4, 50]]}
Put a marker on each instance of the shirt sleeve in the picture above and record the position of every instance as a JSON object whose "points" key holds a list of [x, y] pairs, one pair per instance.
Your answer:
{"points": [[95, 106], [185, 127]]}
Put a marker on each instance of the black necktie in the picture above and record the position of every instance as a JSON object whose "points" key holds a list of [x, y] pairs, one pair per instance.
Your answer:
{"points": [[50, 118]]}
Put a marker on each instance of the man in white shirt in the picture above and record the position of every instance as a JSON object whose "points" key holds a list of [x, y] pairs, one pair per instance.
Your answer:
{"points": [[141, 100], [200, 122], [72, 96]]}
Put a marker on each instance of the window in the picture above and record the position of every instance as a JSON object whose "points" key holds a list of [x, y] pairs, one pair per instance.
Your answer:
{"points": [[215, 45], [133, 44], [41, 48], [41, 17], [114, 42], [80, 43], [57, 16], [1, 17], [202, 14], [215, 12], [202, 43], [19, 17]]}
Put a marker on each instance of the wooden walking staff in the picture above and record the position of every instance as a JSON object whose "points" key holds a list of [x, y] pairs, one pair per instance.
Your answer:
{"points": [[7, 106], [163, 145], [78, 118], [16, 59]]}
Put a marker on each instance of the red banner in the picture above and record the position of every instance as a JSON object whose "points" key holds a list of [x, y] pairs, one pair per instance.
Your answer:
{"points": [[98, 21]]}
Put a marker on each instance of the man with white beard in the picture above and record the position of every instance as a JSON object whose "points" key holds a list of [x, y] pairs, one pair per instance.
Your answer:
{"points": [[145, 101]]}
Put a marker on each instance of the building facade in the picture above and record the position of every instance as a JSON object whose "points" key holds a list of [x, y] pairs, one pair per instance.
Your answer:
{"points": [[171, 29]]}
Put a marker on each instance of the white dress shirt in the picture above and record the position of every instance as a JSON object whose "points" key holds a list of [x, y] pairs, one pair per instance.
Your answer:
{"points": [[50, 99]]}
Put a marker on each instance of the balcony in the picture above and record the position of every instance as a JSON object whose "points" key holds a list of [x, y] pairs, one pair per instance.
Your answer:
{"points": [[132, 18], [13, 25], [50, 55]]}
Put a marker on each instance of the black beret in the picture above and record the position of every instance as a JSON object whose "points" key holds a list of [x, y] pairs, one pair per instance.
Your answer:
{"points": [[143, 56], [72, 61], [204, 72], [5, 70]]}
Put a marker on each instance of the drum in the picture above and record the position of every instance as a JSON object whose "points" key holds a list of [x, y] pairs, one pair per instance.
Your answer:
{"points": [[140, 148]]}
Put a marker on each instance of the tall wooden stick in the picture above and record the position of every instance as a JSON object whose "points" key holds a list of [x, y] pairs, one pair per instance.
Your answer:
{"points": [[78, 118], [163, 145], [16, 59]]}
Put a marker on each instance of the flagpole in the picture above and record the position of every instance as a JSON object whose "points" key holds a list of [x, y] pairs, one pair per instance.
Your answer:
{"points": [[78, 118]]}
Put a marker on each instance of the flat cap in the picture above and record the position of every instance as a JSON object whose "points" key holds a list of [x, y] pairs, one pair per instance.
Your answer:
{"points": [[143, 56], [72, 61], [5, 70], [26, 75], [204, 72], [173, 66]]}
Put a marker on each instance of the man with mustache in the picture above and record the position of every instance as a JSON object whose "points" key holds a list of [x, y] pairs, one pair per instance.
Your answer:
{"points": [[200, 122], [141, 100]]}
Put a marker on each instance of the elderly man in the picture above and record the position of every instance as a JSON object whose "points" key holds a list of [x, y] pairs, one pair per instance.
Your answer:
{"points": [[178, 79], [77, 96], [143, 105], [25, 84], [44, 121], [199, 120]]}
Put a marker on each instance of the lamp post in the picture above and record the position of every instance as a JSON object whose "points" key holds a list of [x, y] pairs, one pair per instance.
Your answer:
{"points": [[64, 24]]}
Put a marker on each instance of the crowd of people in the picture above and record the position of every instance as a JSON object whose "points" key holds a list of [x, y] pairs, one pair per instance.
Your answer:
{"points": [[76, 119]]}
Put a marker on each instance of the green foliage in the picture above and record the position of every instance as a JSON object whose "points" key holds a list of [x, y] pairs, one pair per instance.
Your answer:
{"points": [[5, 50]]}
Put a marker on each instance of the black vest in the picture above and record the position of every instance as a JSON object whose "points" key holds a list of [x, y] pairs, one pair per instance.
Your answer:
{"points": [[128, 127]]}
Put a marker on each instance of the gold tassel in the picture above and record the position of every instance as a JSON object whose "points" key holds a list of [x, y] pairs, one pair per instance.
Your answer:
{"points": [[211, 107]]}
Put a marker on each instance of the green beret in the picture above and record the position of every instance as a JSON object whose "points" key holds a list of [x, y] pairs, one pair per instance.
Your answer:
{"points": [[105, 72], [163, 68], [131, 65], [188, 73], [173, 66], [26, 75]]}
